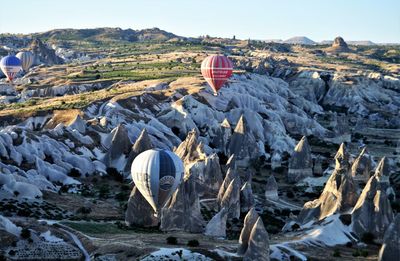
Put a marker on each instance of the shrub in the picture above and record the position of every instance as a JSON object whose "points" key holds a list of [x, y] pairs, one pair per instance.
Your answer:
{"points": [[84, 210], [121, 196], [193, 243], [336, 253], [25, 233], [114, 173], [356, 253], [368, 238], [16, 193], [172, 240], [364, 253], [104, 191]]}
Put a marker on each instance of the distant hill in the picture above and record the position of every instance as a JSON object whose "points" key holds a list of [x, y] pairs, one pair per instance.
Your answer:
{"points": [[107, 34], [366, 43], [300, 40]]}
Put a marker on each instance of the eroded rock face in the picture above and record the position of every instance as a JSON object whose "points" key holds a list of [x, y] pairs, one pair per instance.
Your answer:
{"points": [[142, 144], [243, 143], [382, 171], [44, 54], [339, 45], [300, 163], [221, 139], [246, 197], [258, 244], [78, 124], [190, 150], [271, 188], [139, 212], [372, 213], [339, 194], [231, 199], [216, 227], [118, 145], [361, 167], [182, 211], [390, 250], [248, 224]]}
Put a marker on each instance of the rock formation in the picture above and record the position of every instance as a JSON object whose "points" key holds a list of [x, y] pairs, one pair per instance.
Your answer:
{"points": [[44, 54], [300, 162], [216, 227], [190, 150], [231, 199], [258, 244], [339, 45], [118, 145], [372, 212], [248, 223], [182, 211], [142, 144], [317, 169], [382, 171], [271, 188], [361, 166], [246, 197], [390, 250], [243, 143], [139, 212], [221, 139], [229, 177], [78, 124], [339, 194]]}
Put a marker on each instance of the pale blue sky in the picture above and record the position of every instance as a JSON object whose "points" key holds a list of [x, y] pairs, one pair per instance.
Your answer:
{"points": [[376, 20]]}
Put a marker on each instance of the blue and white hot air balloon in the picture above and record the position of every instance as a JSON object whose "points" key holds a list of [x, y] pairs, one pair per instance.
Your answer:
{"points": [[10, 65], [157, 174], [26, 60]]}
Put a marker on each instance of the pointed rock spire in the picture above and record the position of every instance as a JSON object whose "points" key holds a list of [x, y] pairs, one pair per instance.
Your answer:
{"points": [[339, 194], [243, 143], [139, 212], [361, 166], [258, 244], [231, 199], [118, 145], [182, 211], [383, 168], [249, 221], [190, 150], [372, 212], [317, 169], [390, 250], [230, 176], [300, 163], [246, 197], [142, 144], [271, 188], [221, 139], [216, 227]]}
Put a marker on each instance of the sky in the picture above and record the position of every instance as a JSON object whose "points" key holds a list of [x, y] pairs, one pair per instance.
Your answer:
{"points": [[375, 20]]}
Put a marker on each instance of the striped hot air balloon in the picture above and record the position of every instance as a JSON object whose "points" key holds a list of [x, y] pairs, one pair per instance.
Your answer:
{"points": [[216, 70], [26, 60], [10, 65], [157, 174]]}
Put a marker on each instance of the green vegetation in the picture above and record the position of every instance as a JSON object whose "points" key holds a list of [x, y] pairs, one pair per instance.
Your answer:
{"points": [[172, 240]]}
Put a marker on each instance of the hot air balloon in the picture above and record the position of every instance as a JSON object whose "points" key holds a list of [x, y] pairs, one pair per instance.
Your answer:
{"points": [[10, 65], [157, 174], [26, 60], [216, 70]]}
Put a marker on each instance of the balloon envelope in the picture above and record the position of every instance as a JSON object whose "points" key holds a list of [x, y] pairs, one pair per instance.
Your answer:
{"points": [[26, 60], [216, 70], [10, 65], [157, 174]]}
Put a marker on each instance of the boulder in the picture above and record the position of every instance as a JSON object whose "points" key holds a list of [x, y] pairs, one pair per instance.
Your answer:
{"points": [[339, 194], [246, 197], [300, 162], [248, 223], [372, 212], [271, 188], [139, 212], [258, 244], [390, 250], [182, 211], [216, 227]]}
